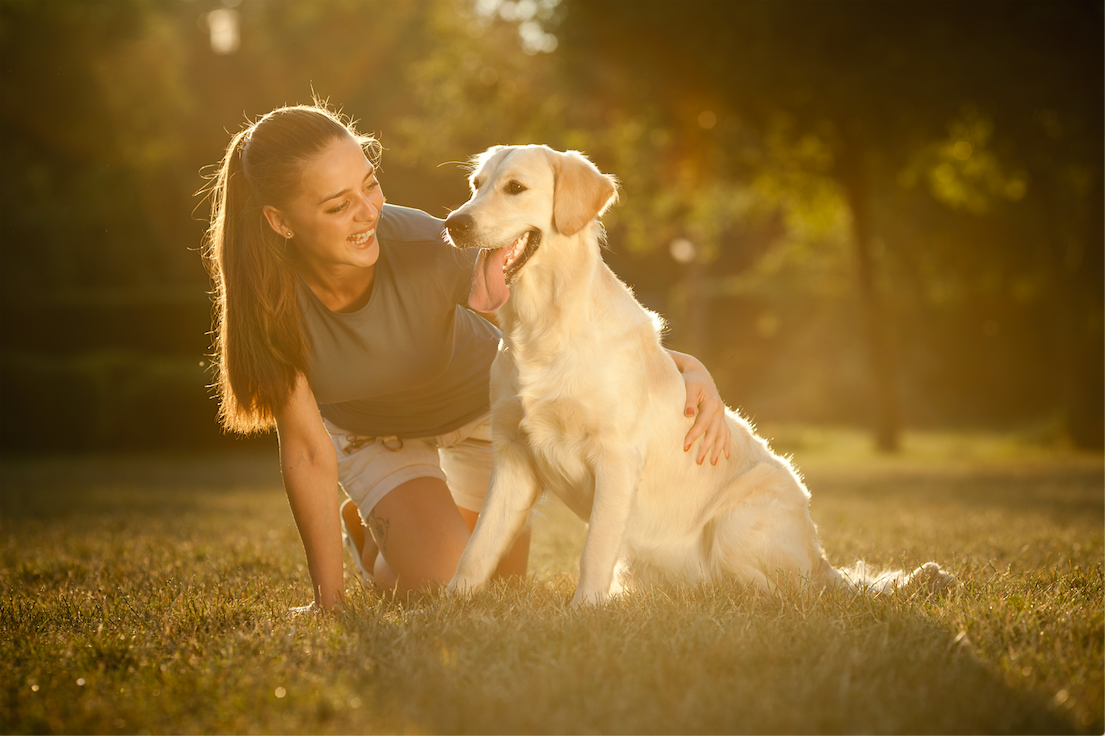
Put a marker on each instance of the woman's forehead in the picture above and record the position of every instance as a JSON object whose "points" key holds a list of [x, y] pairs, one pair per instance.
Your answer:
{"points": [[340, 164]]}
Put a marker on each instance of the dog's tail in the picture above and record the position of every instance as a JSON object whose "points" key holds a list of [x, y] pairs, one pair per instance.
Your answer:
{"points": [[929, 577]]}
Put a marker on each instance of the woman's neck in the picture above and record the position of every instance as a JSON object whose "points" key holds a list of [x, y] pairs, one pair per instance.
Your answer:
{"points": [[340, 288]]}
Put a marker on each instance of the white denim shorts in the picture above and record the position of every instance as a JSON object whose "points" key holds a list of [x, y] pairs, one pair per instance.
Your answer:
{"points": [[371, 467]]}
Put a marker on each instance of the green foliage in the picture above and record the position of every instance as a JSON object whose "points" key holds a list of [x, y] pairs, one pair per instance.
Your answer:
{"points": [[728, 124], [152, 594], [962, 170]]}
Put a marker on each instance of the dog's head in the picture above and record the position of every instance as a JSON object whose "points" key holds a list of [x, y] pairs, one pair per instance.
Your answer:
{"points": [[521, 195]]}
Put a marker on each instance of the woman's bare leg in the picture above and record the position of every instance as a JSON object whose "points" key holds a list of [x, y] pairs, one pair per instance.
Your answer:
{"points": [[419, 533]]}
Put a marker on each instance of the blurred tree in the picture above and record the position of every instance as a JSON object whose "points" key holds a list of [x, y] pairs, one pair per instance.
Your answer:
{"points": [[948, 153], [108, 113], [476, 89], [61, 152], [870, 84]]}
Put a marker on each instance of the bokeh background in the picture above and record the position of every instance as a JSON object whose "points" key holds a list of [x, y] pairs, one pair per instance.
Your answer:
{"points": [[882, 215]]}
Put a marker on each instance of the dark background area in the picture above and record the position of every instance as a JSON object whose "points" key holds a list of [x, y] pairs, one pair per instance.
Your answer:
{"points": [[895, 209]]}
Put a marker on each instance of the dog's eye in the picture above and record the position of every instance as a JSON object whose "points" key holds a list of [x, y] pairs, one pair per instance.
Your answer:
{"points": [[514, 188]]}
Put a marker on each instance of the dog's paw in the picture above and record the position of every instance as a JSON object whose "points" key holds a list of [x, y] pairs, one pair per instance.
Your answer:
{"points": [[586, 600], [933, 579], [460, 587]]}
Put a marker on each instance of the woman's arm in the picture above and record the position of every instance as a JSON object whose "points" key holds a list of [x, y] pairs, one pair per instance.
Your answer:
{"points": [[705, 405], [309, 465]]}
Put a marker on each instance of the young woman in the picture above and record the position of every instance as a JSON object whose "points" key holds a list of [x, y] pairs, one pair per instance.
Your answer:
{"points": [[340, 321]]}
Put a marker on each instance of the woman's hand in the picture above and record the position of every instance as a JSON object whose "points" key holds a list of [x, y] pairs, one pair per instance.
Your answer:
{"points": [[311, 609], [705, 405]]}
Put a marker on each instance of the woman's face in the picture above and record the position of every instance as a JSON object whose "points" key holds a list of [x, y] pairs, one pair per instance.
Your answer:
{"points": [[334, 214]]}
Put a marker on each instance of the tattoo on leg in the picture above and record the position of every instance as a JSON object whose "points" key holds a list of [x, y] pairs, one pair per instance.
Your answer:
{"points": [[379, 529]]}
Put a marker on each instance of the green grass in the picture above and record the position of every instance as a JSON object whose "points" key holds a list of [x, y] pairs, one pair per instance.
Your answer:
{"points": [[150, 594]]}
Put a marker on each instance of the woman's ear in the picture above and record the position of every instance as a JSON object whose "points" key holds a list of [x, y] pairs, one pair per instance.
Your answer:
{"points": [[277, 221]]}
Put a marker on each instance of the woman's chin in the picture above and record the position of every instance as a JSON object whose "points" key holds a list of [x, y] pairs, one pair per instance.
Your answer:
{"points": [[365, 255]]}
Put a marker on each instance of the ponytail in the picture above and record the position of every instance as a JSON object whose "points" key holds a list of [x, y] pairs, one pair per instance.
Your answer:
{"points": [[259, 345]]}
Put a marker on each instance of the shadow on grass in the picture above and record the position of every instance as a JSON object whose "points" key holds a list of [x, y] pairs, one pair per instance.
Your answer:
{"points": [[705, 660]]}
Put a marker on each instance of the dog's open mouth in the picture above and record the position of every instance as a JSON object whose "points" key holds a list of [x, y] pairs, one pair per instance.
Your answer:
{"points": [[497, 270], [518, 252]]}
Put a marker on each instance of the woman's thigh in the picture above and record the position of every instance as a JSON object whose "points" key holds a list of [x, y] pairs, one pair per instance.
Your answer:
{"points": [[420, 533]]}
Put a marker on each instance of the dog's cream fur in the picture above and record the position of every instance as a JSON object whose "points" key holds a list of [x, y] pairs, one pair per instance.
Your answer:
{"points": [[586, 404]]}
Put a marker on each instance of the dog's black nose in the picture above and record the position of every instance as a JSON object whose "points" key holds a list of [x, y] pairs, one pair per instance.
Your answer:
{"points": [[458, 224]]}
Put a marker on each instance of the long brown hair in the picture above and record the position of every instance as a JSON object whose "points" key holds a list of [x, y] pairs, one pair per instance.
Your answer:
{"points": [[259, 346]]}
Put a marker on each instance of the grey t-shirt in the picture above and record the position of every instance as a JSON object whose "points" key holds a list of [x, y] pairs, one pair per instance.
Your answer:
{"points": [[412, 362]]}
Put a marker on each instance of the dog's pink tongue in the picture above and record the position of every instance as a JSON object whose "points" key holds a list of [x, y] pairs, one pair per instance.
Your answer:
{"points": [[489, 291]]}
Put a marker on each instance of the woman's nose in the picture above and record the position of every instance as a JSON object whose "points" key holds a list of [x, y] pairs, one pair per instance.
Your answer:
{"points": [[367, 208]]}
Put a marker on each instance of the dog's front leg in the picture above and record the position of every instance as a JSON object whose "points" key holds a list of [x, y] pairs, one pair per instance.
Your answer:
{"points": [[616, 482], [512, 494]]}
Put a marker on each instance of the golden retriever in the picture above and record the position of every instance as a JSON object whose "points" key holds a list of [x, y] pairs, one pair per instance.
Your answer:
{"points": [[586, 404]]}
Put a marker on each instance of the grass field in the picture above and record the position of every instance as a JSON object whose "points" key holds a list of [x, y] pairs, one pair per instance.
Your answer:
{"points": [[150, 595]]}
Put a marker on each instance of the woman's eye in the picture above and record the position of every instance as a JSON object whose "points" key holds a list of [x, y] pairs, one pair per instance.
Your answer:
{"points": [[514, 188], [339, 208]]}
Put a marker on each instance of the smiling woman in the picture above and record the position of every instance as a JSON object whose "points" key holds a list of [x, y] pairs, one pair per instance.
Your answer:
{"points": [[259, 344], [341, 322], [335, 233]]}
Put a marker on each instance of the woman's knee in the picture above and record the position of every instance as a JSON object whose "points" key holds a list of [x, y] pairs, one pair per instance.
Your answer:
{"points": [[420, 532]]}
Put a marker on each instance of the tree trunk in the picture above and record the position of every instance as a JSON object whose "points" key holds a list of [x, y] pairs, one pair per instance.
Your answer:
{"points": [[884, 399], [1085, 397], [1075, 260]]}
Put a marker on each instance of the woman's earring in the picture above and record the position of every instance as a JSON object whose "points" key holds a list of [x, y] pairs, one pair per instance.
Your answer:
{"points": [[289, 233]]}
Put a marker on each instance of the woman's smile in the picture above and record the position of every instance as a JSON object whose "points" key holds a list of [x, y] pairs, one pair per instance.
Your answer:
{"points": [[362, 238]]}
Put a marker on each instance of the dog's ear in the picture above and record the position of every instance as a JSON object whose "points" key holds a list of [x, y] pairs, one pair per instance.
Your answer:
{"points": [[582, 192]]}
